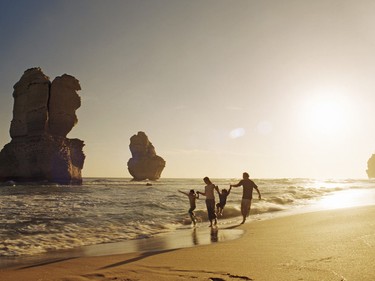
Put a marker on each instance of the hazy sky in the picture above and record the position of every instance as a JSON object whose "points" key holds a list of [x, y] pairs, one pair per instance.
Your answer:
{"points": [[275, 88]]}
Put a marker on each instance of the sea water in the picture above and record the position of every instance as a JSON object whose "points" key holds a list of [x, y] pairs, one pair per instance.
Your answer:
{"points": [[40, 218]]}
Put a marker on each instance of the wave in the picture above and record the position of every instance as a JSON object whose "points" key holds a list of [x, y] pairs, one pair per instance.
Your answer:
{"points": [[39, 218], [201, 215]]}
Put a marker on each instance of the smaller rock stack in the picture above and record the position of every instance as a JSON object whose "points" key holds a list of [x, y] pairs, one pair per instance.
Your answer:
{"points": [[371, 167], [144, 164]]}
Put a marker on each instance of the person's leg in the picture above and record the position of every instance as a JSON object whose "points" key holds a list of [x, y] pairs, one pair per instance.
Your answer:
{"points": [[217, 208], [222, 210], [210, 203], [208, 206], [191, 214], [248, 209], [213, 214], [242, 211], [245, 207]]}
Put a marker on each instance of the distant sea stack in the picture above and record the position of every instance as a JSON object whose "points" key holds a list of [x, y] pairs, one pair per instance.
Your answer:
{"points": [[144, 164], [371, 167], [43, 115]]}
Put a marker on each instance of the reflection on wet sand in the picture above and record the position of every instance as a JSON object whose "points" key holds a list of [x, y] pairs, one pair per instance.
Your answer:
{"points": [[214, 234], [195, 236], [180, 239]]}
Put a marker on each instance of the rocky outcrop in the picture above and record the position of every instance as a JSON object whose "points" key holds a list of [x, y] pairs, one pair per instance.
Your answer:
{"points": [[30, 109], [144, 164], [43, 115], [63, 104], [371, 167]]}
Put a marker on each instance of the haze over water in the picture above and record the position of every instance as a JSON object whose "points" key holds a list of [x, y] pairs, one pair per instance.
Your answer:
{"points": [[275, 88]]}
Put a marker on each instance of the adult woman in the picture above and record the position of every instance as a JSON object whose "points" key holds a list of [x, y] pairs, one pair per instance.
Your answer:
{"points": [[210, 199]]}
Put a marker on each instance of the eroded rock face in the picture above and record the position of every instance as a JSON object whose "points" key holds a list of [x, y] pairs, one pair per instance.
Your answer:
{"points": [[43, 114], [371, 167], [144, 164], [64, 101], [30, 110]]}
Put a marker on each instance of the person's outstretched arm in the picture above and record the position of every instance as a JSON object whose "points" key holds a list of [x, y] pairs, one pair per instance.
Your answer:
{"points": [[183, 192], [201, 193], [236, 185], [217, 190]]}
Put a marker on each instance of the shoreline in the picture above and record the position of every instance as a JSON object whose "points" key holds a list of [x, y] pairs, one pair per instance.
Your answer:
{"points": [[180, 238], [324, 245], [100, 212], [191, 236]]}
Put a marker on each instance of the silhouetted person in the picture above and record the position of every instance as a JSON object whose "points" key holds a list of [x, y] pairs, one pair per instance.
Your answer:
{"points": [[223, 200], [210, 199], [247, 195], [192, 198]]}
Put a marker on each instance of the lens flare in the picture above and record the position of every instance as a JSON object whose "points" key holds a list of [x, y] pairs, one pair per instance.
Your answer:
{"points": [[237, 133]]}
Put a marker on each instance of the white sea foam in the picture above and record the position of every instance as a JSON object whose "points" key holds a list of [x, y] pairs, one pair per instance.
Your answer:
{"points": [[37, 218]]}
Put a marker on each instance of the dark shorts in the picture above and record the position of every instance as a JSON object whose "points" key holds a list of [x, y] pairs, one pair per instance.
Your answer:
{"points": [[220, 205], [245, 206], [210, 204]]}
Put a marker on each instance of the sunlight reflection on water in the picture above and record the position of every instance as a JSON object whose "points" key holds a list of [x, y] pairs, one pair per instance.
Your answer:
{"points": [[347, 199]]}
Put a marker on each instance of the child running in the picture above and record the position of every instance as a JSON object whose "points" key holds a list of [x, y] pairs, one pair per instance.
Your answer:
{"points": [[192, 198], [223, 200]]}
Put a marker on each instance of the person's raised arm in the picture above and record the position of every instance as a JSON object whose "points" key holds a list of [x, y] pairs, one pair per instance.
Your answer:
{"points": [[230, 188]]}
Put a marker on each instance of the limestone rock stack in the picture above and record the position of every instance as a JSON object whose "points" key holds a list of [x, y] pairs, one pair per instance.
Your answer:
{"points": [[30, 109], [43, 115], [63, 103], [144, 164], [371, 167]]}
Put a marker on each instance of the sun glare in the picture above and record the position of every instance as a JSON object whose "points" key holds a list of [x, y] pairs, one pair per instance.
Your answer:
{"points": [[326, 115], [347, 199]]}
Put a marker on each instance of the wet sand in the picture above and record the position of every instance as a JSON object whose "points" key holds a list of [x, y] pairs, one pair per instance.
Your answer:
{"points": [[326, 245]]}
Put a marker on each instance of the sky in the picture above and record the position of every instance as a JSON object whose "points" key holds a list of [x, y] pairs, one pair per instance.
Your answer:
{"points": [[280, 89]]}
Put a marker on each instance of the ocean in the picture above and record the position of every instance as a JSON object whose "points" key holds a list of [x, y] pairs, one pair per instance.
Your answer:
{"points": [[42, 218]]}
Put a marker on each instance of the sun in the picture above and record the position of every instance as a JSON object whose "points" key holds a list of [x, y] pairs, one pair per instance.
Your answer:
{"points": [[325, 115]]}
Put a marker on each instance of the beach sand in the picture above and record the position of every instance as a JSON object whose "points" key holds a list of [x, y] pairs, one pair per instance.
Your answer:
{"points": [[327, 245]]}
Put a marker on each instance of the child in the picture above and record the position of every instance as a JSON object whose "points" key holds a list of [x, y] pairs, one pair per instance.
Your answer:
{"points": [[192, 198], [223, 200]]}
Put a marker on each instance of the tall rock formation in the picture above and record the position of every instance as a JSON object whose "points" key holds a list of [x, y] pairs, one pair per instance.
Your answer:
{"points": [[144, 164], [43, 115], [371, 167]]}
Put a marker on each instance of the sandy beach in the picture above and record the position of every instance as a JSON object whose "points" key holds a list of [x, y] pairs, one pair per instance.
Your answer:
{"points": [[327, 245]]}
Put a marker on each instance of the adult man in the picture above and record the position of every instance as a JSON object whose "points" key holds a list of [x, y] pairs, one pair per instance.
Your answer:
{"points": [[248, 186]]}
